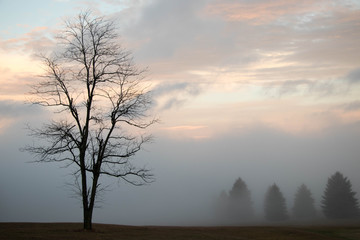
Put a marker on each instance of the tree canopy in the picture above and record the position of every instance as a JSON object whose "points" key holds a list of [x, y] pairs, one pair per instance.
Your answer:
{"points": [[236, 206], [240, 203], [101, 101], [339, 200], [275, 205], [304, 204]]}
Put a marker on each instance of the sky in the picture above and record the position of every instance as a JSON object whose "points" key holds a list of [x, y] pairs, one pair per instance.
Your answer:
{"points": [[263, 90]]}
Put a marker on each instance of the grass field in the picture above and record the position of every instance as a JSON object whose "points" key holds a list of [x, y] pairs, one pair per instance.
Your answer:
{"points": [[73, 231]]}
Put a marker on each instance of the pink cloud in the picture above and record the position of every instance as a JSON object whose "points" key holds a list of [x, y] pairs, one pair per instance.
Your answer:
{"points": [[184, 127], [14, 84], [35, 40], [195, 132], [260, 12]]}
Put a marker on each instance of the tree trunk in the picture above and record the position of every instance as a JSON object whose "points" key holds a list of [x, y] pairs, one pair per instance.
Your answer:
{"points": [[88, 218], [88, 209]]}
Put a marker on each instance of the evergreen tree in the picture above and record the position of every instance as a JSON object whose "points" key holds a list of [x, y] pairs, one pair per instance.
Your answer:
{"points": [[275, 205], [240, 204], [303, 204], [221, 208], [339, 200]]}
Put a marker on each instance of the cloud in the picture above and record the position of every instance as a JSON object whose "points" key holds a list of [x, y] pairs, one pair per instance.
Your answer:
{"points": [[190, 49], [175, 37], [169, 95], [354, 76], [261, 12], [294, 86], [12, 112], [35, 41], [314, 41], [291, 41], [181, 128], [351, 106], [192, 132], [319, 88], [169, 89], [17, 74], [169, 24], [293, 12], [15, 109]]}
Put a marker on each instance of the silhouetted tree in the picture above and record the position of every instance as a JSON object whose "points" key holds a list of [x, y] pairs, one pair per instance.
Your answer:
{"points": [[275, 205], [339, 200], [303, 204], [98, 91], [240, 205], [221, 208]]}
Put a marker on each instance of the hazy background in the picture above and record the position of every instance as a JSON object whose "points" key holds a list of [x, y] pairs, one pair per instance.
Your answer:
{"points": [[265, 91]]}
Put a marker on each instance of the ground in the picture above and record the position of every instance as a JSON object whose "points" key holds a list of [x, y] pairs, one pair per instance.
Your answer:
{"points": [[57, 231]]}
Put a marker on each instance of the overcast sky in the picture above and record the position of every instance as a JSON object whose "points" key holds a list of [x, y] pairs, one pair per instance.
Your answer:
{"points": [[263, 90]]}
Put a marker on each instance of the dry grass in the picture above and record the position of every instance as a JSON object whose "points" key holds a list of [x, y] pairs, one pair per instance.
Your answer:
{"points": [[72, 231]]}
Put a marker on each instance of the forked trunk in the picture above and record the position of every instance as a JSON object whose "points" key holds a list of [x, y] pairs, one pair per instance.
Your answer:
{"points": [[89, 206]]}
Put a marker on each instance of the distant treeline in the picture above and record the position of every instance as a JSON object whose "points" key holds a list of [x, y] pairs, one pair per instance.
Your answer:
{"points": [[338, 202]]}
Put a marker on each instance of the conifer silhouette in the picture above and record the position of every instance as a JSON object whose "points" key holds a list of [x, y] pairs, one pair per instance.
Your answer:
{"points": [[339, 200], [275, 205], [303, 204], [240, 204]]}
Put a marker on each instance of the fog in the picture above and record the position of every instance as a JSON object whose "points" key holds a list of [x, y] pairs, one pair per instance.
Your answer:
{"points": [[264, 91], [190, 175]]}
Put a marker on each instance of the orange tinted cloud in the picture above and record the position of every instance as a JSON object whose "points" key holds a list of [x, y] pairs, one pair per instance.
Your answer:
{"points": [[184, 128], [18, 67], [293, 115], [196, 132], [36, 40], [262, 12], [17, 73]]}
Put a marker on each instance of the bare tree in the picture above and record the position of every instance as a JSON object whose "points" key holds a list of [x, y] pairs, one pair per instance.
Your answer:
{"points": [[98, 91]]}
